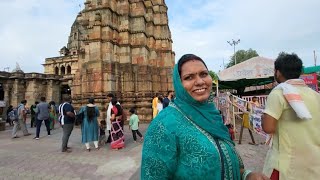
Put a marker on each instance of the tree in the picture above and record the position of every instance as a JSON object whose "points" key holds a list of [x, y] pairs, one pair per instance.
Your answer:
{"points": [[242, 55], [213, 75]]}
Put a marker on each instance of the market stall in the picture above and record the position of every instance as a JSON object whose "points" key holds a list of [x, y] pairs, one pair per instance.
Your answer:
{"points": [[252, 72]]}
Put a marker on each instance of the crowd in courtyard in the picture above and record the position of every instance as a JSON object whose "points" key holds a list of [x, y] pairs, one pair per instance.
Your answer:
{"points": [[92, 130]]}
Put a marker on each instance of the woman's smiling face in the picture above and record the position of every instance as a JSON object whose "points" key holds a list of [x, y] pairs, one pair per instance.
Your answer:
{"points": [[196, 80]]}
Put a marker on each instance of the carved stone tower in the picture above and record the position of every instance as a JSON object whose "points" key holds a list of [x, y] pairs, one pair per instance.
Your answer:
{"points": [[118, 46]]}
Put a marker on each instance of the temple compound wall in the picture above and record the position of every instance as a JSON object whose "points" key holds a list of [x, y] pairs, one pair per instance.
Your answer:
{"points": [[17, 86], [118, 46]]}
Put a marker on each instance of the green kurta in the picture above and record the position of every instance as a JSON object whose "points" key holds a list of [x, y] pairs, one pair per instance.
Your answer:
{"points": [[134, 122], [176, 149], [89, 129], [188, 140]]}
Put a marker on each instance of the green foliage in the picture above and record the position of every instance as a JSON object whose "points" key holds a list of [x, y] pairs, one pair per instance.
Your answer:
{"points": [[242, 55], [213, 75]]}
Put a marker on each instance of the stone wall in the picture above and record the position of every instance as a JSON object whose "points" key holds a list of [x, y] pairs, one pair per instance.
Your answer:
{"points": [[30, 86]]}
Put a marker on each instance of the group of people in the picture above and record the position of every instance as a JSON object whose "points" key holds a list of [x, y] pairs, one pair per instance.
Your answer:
{"points": [[40, 112], [93, 130], [159, 102], [188, 140]]}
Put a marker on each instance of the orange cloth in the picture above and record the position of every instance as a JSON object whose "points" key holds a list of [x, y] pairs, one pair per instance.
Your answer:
{"points": [[154, 106]]}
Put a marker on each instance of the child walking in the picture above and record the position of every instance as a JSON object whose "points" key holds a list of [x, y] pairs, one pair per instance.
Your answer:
{"points": [[134, 125], [102, 136]]}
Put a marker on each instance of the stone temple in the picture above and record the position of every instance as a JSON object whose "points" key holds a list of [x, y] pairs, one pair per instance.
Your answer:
{"points": [[115, 46]]}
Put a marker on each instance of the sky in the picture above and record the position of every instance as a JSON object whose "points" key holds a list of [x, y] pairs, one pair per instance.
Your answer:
{"points": [[32, 30]]}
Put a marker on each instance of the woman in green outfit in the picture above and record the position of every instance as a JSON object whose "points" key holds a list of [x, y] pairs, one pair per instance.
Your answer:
{"points": [[52, 114], [188, 140], [89, 126]]}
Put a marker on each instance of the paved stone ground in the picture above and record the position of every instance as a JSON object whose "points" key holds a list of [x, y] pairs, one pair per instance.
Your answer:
{"points": [[26, 158]]}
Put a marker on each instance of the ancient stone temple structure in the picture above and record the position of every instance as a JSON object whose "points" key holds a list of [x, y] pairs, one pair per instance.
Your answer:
{"points": [[16, 86], [118, 46]]}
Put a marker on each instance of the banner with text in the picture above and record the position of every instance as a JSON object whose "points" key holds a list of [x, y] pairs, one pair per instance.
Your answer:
{"points": [[311, 80]]}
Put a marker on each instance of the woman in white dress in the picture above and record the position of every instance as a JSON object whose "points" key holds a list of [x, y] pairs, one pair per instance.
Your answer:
{"points": [[160, 104]]}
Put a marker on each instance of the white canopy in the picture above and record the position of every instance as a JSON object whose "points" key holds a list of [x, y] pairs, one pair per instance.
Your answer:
{"points": [[254, 68]]}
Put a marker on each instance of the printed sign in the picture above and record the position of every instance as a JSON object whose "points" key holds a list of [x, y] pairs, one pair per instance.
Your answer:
{"points": [[256, 67], [240, 103], [255, 120], [223, 102], [256, 123], [311, 80]]}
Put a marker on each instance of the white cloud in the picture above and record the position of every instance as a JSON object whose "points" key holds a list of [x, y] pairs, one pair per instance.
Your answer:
{"points": [[32, 30], [267, 26]]}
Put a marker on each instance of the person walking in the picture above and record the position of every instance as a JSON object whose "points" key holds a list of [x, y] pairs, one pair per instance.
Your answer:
{"points": [[9, 120], [42, 112], [134, 125], [292, 115], [66, 119], [102, 133], [89, 126], [33, 114], [108, 121], [21, 122], [52, 114]]}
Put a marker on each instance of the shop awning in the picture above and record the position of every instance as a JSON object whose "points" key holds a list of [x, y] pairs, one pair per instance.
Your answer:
{"points": [[252, 72], [310, 70]]}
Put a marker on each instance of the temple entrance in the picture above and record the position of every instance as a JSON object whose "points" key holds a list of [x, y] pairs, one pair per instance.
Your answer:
{"points": [[65, 91]]}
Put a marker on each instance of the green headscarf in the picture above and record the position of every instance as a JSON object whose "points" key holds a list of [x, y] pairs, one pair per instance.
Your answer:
{"points": [[203, 114]]}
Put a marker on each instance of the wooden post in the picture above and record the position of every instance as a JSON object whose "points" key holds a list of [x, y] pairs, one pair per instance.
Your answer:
{"points": [[241, 131], [233, 118], [251, 135]]}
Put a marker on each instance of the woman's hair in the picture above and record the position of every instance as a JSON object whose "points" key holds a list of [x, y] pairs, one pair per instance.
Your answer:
{"points": [[43, 98], [188, 57], [132, 110], [160, 99], [110, 95], [114, 101], [290, 65], [91, 101], [91, 112], [50, 103]]}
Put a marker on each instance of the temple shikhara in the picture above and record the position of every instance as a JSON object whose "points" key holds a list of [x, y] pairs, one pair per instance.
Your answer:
{"points": [[115, 46]]}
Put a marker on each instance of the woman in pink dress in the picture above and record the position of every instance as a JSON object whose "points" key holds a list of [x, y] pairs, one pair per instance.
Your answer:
{"points": [[117, 135]]}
